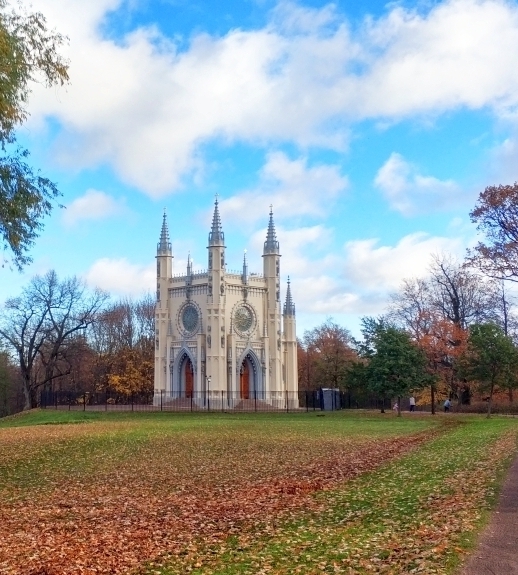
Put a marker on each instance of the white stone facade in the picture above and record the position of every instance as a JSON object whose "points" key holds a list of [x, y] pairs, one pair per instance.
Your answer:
{"points": [[221, 337]]}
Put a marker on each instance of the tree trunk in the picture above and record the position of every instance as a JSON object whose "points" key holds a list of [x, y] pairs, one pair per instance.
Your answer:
{"points": [[511, 398], [27, 395], [432, 397], [490, 401], [399, 406]]}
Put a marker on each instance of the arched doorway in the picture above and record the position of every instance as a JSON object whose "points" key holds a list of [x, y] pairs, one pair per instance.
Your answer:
{"points": [[244, 379], [249, 381]]}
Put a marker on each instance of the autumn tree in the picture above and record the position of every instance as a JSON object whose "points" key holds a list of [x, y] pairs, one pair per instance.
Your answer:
{"points": [[490, 358], [396, 365], [437, 311], [75, 367], [496, 216], [327, 351], [414, 309], [38, 325], [123, 340], [132, 372], [29, 53]]}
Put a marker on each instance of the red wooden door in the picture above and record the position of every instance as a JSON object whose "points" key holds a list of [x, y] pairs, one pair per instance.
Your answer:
{"points": [[189, 379], [245, 381]]}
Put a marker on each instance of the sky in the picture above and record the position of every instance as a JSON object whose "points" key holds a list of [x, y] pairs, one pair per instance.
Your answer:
{"points": [[370, 127]]}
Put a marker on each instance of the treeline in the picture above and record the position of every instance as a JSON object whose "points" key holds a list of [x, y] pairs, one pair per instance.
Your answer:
{"points": [[450, 334], [59, 335]]}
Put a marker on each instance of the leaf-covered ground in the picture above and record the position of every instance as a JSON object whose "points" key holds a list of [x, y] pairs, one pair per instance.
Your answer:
{"points": [[267, 493], [102, 496], [416, 514]]}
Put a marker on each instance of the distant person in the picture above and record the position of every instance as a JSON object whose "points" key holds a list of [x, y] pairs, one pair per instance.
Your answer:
{"points": [[411, 401], [447, 405], [396, 406]]}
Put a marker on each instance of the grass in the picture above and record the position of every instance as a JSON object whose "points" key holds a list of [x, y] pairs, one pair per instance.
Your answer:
{"points": [[418, 514], [115, 437], [245, 493]]}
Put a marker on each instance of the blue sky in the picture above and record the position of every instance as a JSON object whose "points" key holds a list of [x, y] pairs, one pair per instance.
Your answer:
{"points": [[371, 127]]}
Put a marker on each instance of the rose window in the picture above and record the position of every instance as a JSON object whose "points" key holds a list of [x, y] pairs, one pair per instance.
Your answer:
{"points": [[190, 318], [243, 319]]}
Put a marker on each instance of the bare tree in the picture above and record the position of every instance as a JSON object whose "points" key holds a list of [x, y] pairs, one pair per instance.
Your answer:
{"points": [[39, 324], [459, 294], [411, 307]]}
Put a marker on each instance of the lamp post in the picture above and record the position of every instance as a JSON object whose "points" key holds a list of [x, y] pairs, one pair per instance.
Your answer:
{"points": [[208, 393]]}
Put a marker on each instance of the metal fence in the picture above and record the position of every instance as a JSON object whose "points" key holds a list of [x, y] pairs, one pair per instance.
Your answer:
{"points": [[274, 401]]}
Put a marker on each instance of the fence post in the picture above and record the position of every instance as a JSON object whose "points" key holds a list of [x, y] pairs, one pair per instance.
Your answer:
{"points": [[84, 401], [161, 396]]}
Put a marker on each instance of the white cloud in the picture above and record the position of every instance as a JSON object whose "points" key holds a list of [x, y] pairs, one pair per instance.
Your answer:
{"points": [[145, 107], [460, 53], [409, 192], [293, 187], [503, 168], [93, 205], [121, 277], [374, 268]]}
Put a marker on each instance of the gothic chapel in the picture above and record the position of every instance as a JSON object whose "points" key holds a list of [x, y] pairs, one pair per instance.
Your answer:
{"points": [[220, 336]]}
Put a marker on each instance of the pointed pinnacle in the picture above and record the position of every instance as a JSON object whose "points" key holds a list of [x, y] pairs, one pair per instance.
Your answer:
{"points": [[271, 245], [216, 235], [164, 245], [289, 306]]}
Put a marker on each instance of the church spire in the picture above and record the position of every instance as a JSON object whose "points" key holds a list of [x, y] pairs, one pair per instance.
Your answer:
{"points": [[164, 245], [289, 306], [216, 235], [271, 245]]}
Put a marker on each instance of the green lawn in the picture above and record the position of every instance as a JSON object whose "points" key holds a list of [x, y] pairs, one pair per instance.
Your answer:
{"points": [[347, 492]]}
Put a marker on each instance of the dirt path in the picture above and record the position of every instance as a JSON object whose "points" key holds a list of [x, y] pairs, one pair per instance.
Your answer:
{"points": [[497, 550]]}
